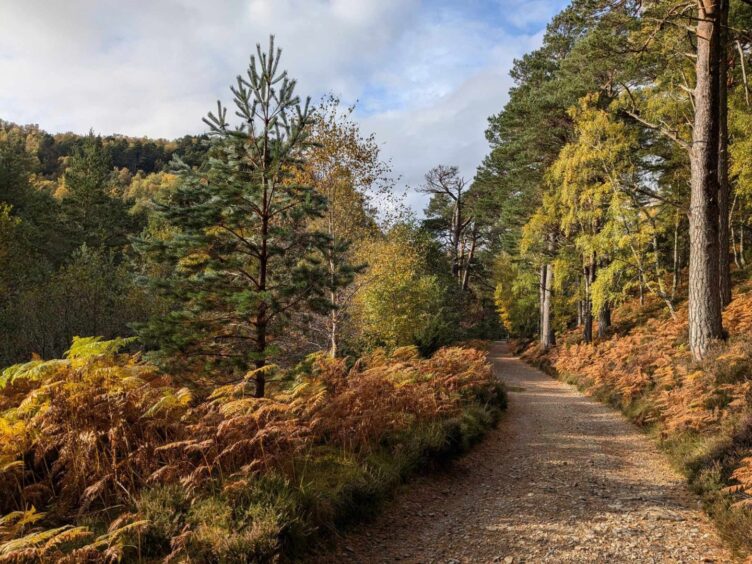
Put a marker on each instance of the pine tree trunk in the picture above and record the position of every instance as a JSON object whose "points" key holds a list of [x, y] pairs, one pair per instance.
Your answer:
{"points": [[675, 281], [541, 298], [724, 261], [469, 259], [741, 245], [587, 304], [587, 331], [732, 232], [604, 321], [547, 337], [456, 238], [704, 296], [260, 348]]}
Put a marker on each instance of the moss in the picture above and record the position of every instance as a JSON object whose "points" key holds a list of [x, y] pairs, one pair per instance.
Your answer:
{"points": [[165, 508]]}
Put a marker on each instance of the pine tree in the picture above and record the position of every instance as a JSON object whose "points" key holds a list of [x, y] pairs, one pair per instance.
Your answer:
{"points": [[243, 256], [448, 215], [92, 214]]}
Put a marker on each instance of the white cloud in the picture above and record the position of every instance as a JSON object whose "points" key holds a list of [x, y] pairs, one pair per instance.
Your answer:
{"points": [[428, 72]]}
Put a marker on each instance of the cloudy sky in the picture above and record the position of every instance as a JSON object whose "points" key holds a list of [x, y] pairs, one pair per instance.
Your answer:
{"points": [[426, 74]]}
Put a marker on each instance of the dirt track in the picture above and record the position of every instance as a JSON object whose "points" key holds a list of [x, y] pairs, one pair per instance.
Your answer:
{"points": [[562, 479]]}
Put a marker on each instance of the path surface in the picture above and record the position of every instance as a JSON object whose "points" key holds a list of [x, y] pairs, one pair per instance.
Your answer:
{"points": [[562, 479]]}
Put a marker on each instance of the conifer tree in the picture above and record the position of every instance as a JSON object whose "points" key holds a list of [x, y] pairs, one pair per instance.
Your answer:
{"points": [[92, 214], [448, 216], [243, 257]]}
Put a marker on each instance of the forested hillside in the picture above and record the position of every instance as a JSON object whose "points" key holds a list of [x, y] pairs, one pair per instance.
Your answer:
{"points": [[70, 205]]}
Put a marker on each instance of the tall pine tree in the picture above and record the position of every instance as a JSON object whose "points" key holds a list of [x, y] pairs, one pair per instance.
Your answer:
{"points": [[243, 256]]}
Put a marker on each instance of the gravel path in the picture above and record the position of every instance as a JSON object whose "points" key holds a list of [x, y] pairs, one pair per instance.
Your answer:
{"points": [[562, 479]]}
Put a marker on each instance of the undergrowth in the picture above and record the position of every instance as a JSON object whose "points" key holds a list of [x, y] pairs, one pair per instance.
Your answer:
{"points": [[103, 457], [699, 412]]}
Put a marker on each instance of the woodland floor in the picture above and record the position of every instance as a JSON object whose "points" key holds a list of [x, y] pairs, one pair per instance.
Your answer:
{"points": [[562, 479]]}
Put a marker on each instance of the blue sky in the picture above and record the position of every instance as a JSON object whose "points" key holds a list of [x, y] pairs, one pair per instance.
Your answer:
{"points": [[426, 74]]}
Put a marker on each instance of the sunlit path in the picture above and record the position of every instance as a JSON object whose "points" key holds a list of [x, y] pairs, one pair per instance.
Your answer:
{"points": [[563, 479]]}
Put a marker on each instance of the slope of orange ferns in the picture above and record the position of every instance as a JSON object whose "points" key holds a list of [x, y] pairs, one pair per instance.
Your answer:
{"points": [[88, 434], [651, 363]]}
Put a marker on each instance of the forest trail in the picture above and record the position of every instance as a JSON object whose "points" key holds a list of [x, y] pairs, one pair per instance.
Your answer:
{"points": [[562, 479]]}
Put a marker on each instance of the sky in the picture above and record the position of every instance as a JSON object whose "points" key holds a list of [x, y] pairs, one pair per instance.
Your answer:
{"points": [[426, 74]]}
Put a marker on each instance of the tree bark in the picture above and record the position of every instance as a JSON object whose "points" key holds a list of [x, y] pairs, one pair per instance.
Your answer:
{"points": [[675, 267], [742, 260], [704, 295], [333, 327], [547, 336], [604, 321], [587, 303], [732, 233], [587, 326], [469, 259], [724, 260], [541, 298], [457, 254]]}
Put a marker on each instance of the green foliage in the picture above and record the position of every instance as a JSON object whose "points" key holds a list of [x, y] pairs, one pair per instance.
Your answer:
{"points": [[516, 297], [89, 295], [241, 257], [63, 240], [437, 332], [400, 296], [92, 213]]}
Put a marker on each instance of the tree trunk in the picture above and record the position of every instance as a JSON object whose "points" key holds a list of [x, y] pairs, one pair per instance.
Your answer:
{"points": [[469, 259], [587, 331], [604, 321], [261, 318], [547, 337], [261, 323], [675, 281], [541, 298], [724, 261], [456, 238], [732, 233], [704, 296], [741, 245], [587, 304], [642, 291], [333, 327]]}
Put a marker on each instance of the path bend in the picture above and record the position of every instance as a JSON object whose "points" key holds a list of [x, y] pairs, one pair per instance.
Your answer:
{"points": [[562, 479]]}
